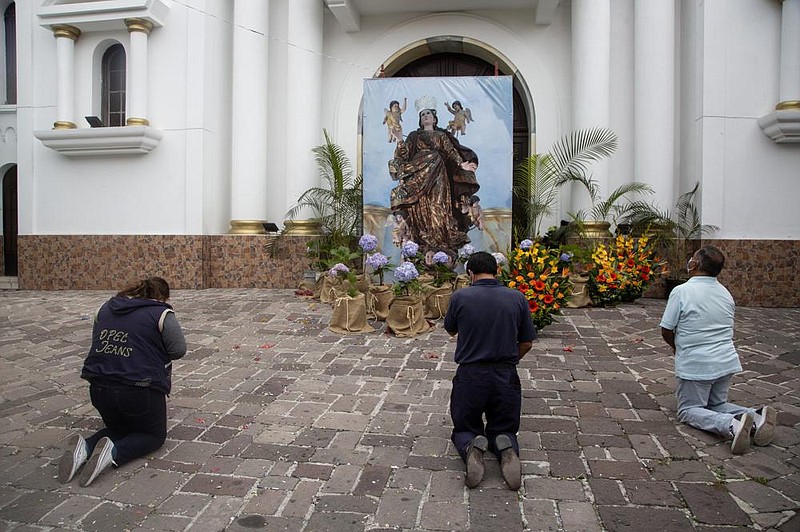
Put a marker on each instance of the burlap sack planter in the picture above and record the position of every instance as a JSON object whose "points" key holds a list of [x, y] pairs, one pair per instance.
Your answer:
{"points": [[580, 292], [407, 316], [437, 301], [379, 298], [349, 315], [328, 286], [462, 281]]}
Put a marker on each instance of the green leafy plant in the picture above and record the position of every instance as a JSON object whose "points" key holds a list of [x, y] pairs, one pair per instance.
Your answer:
{"points": [[538, 178], [336, 206], [673, 233]]}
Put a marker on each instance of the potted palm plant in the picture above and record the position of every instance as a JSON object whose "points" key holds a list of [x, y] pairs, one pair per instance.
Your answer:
{"points": [[336, 205], [675, 234]]}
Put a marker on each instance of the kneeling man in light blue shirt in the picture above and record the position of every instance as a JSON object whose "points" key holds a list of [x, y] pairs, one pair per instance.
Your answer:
{"points": [[698, 325]]}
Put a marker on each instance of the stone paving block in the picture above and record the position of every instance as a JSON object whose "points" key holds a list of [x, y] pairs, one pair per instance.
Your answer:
{"points": [[184, 504], [681, 470], [579, 516], [494, 509], [652, 493], [68, 513], [712, 504], [166, 523], [541, 424], [346, 503], [645, 446], [219, 485], [606, 492], [30, 507], [219, 513], [109, 516], [554, 489], [618, 470], [626, 519], [445, 516], [398, 508], [332, 522], [302, 498], [762, 498], [373, 480], [412, 479], [147, 487], [315, 471], [268, 451], [540, 515], [565, 464]]}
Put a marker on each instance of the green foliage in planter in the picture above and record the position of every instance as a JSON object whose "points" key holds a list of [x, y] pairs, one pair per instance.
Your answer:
{"points": [[336, 206]]}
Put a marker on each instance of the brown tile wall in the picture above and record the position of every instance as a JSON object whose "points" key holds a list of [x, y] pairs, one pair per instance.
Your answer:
{"points": [[757, 272], [109, 262]]}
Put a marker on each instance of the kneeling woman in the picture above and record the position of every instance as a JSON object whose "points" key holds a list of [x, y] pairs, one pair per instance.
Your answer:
{"points": [[135, 338]]}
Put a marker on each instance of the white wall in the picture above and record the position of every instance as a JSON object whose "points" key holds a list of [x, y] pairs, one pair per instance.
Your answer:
{"points": [[178, 188]]}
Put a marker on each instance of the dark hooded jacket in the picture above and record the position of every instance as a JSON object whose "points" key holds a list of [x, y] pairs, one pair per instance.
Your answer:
{"points": [[127, 346]]}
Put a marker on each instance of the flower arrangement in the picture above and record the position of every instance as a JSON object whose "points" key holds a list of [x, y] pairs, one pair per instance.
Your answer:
{"points": [[340, 271], [622, 271], [536, 273], [405, 277], [378, 263], [442, 269]]}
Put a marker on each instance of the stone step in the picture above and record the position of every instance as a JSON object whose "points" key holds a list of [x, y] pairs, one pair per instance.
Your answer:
{"points": [[9, 283]]}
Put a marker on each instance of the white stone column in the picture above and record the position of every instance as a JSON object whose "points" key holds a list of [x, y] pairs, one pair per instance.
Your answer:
{"points": [[654, 100], [136, 91], [790, 56], [249, 117], [591, 77], [65, 58], [304, 100]]}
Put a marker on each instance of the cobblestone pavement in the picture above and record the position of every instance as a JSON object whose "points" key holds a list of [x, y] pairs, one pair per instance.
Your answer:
{"points": [[276, 423]]}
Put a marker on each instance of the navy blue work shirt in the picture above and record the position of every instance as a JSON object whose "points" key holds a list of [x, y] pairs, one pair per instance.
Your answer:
{"points": [[491, 320]]}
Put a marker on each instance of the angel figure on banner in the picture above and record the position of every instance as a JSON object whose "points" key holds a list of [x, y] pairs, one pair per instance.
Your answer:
{"points": [[461, 117], [434, 171], [392, 118]]}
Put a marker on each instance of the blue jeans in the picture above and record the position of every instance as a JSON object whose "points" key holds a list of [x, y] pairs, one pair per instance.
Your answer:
{"points": [[491, 389], [135, 419], [704, 404]]}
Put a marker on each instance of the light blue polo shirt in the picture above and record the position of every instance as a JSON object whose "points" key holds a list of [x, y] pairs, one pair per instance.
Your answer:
{"points": [[700, 311]]}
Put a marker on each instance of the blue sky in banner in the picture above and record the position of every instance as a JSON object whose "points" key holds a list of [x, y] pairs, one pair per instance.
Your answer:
{"points": [[490, 135]]}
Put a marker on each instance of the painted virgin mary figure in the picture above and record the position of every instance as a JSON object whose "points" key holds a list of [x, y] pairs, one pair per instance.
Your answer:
{"points": [[436, 174]]}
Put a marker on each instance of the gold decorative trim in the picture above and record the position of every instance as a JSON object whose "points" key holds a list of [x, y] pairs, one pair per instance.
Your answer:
{"points": [[788, 104], [247, 227], [63, 124], [132, 121], [301, 228], [65, 30], [139, 24]]}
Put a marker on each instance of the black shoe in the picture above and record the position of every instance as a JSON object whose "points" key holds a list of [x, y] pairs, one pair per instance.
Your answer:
{"points": [[509, 462], [475, 468]]}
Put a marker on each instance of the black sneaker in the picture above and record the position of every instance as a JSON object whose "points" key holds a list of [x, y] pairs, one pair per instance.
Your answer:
{"points": [[101, 458], [475, 468], [509, 462]]}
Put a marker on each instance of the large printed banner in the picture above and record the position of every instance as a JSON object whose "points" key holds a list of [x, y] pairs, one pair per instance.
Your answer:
{"points": [[437, 163]]}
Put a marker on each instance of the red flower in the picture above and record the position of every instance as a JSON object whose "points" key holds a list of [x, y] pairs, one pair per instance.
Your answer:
{"points": [[533, 305], [548, 299], [538, 286]]}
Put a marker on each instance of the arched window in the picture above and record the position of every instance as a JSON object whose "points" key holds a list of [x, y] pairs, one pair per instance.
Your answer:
{"points": [[114, 86], [10, 26]]}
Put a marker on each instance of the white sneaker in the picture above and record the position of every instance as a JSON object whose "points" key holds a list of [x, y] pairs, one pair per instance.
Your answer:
{"points": [[764, 426], [101, 458], [72, 459], [740, 429]]}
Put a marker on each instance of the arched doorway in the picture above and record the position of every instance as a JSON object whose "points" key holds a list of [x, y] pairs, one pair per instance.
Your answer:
{"points": [[455, 56], [10, 227]]}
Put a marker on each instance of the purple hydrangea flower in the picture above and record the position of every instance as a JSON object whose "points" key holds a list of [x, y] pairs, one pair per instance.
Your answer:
{"points": [[466, 251], [368, 242], [526, 244], [377, 261], [405, 273], [440, 257], [500, 258], [565, 257], [410, 249], [338, 269]]}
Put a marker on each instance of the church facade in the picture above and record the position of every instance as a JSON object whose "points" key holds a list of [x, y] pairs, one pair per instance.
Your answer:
{"points": [[156, 137]]}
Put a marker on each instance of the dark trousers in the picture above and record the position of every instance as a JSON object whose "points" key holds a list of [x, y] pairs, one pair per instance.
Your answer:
{"points": [[491, 389], [135, 419]]}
